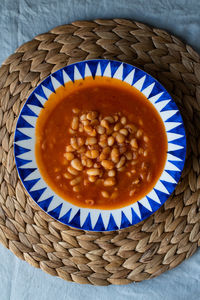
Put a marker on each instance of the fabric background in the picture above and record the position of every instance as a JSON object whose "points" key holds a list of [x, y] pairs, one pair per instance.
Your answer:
{"points": [[20, 21]]}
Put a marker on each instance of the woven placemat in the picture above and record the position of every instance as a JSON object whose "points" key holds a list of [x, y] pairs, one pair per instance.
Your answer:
{"points": [[142, 251]]}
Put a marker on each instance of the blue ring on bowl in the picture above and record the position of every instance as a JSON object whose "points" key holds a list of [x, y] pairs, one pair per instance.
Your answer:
{"points": [[96, 219]]}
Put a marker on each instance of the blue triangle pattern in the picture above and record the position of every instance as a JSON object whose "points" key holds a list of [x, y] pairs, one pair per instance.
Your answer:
{"points": [[20, 162], [19, 136], [23, 123], [93, 67], [65, 219], [148, 81], [75, 222], [56, 211], [162, 196], [26, 111], [25, 172], [138, 75], [179, 129], [45, 203], [111, 224], [87, 224], [179, 141], [154, 205], [168, 185], [178, 153], [33, 100], [175, 118], [126, 70], [178, 164], [99, 224], [144, 211], [48, 84], [103, 65], [37, 194], [30, 183], [157, 89], [164, 96], [114, 66], [70, 71], [20, 150], [124, 221], [59, 76], [81, 68], [170, 106], [174, 174], [135, 218], [39, 91]]}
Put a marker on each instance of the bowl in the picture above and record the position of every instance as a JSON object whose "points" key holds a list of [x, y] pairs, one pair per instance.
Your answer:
{"points": [[88, 218]]}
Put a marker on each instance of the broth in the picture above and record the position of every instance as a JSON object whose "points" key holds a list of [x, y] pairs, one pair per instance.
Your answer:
{"points": [[56, 134]]}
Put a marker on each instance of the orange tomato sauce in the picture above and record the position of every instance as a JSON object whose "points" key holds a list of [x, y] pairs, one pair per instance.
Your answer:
{"points": [[107, 96]]}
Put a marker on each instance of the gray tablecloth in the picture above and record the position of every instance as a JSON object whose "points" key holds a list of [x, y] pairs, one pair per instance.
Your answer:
{"points": [[20, 21]]}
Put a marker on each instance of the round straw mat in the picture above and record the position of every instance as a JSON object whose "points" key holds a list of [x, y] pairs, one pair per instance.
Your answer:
{"points": [[142, 251]]}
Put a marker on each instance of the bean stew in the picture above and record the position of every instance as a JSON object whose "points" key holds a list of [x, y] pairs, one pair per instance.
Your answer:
{"points": [[100, 143]]}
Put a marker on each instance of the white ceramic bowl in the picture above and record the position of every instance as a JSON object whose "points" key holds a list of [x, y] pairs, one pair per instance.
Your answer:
{"points": [[96, 219]]}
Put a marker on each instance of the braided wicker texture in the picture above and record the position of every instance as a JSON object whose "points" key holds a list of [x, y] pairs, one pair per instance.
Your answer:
{"points": [[140, 252]]}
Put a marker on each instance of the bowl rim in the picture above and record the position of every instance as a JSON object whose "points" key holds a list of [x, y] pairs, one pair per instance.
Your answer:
{"points": [[88, 218]]}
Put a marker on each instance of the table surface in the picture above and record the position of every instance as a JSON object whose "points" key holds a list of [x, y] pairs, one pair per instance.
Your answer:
{"points": [[20, 21]]}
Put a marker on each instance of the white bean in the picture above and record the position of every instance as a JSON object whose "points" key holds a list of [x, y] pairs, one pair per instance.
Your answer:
{"points": [[107, 164], [76, 164], [134, 143], [111, 140], [105, 194], [72, 171], [75, 123], [75, 181], [93, 172], [121, 162], [75, 110], [91, 141], [111, 173], [92, 115], [69, 156], [109, 181]]}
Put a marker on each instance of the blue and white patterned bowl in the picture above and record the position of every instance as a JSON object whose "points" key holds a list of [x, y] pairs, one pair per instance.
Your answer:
{"points": [[96, 219]]}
